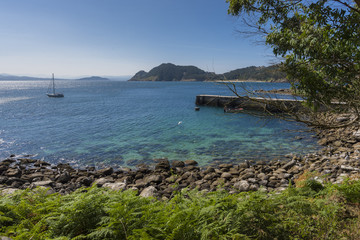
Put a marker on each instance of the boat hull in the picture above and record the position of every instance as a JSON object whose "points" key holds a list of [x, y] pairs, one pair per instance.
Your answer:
{"points": [[55, 95]]}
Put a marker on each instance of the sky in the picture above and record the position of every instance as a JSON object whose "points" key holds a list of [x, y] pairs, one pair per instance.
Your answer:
{"points": [[121, 37]]}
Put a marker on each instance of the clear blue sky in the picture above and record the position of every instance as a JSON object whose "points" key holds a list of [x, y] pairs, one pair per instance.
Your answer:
{"points": [[121, 37]]}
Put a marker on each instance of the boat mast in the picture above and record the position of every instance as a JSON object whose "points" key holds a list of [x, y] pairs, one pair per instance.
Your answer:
{"points": [[53, 83]]}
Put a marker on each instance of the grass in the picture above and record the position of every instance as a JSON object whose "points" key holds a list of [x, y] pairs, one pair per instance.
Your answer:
{"points": [[308, 210]]}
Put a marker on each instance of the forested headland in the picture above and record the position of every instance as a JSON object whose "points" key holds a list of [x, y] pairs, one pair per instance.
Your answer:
{"points": [[172, 72]]}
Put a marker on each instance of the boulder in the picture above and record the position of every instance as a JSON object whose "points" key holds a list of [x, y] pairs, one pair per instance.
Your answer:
{"points": [[209, 176], [245, 164], [225, 165], [150, 191], [191, 163], [356, 146], [289, 164], [13, 172], [26, 161], [5, 238], [163, 164], [7, 162], [83, 180], [101, 181], [40, 163], [323, 142], [47, 183], [105, 172], [248, 175], [116, 186], [226, 175], [153, 179], [242, 186], [356, 134], [176, 164], [8, 191], [30, 177], [3, 179], [64, 177]]}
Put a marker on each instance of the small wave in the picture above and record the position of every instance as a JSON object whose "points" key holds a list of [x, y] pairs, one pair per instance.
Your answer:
{"points": [[6, 100]]}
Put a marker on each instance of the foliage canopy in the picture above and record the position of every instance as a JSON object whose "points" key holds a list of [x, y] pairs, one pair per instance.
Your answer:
{"points": [[319, 41], [306, 211]]}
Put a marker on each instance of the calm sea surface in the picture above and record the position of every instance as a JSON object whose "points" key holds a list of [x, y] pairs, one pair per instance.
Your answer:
{"points": [[127, 123]]}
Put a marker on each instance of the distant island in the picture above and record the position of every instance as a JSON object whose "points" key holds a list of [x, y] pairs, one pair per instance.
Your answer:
{"points": [[15, 78], [26, 78], [172, 72], [94, 78]]}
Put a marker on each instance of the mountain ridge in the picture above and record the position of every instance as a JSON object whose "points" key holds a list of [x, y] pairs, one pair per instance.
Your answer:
{"points": [[172, 72]]}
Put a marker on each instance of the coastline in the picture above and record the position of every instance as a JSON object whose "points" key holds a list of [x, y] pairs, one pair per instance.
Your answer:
{"points": [[339, 159]]}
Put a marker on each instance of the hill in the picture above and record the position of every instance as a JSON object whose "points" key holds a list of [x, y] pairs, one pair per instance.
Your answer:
{"points": [[171, 72], [269, 74]]}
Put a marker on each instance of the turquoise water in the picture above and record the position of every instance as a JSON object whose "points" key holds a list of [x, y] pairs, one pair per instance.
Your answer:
{"points": [[127, 123]]}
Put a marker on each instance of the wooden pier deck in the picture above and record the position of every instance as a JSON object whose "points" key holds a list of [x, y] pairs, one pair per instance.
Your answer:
{"points": [[249, 103]]}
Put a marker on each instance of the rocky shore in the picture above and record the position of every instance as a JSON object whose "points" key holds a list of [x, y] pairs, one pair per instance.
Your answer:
{"points": [[339, 159]]}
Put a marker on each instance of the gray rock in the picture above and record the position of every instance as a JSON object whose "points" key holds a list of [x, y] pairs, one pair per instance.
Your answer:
{"points": [[338, 143], [252, 180], [176, 163], [263, 176], [171, 179], [7, 162], [163, 164], [191, 163], [248, 175], [30, 177], [225, 165], [8, 191], [41, 184], [105, 171], [64, 177], [209, 176], [209, 170], [140, 183], [5, 238], [86, 181], [40, 163], [348, 168], [226, 175], [13, 172], [356, 134], [342, 119], [253, 187], [323, 142], [101, 181], [191, 168], [289, 164], [153, 179], [3, 179], [242, 186], [150, 191], [245, 164], [263, 182], [116, 186]]}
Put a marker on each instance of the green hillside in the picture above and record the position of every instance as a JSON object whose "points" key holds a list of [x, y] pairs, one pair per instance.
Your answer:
{"points": [[171, 72]]}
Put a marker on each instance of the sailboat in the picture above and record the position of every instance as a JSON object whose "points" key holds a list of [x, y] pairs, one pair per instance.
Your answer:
{"points": [[52, 93]]}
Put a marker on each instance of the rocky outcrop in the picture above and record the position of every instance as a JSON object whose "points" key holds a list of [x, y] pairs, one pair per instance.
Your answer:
{"points": [[339, 159]]}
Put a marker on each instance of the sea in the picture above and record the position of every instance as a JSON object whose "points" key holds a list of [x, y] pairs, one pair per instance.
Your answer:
{"points": [[123, 124]]}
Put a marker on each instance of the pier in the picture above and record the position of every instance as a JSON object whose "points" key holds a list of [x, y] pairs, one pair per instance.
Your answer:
{"points": [[250, 103]]}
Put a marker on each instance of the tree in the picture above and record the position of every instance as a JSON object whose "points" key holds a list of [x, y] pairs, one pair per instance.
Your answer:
{"points": [[319, 42]]}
